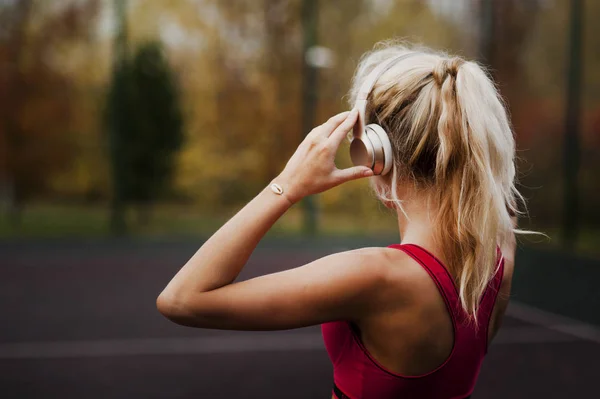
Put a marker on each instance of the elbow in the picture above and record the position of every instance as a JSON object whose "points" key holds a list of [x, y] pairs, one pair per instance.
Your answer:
{"points": [[165, 304], [172, 307], [191, 311], [183, 310]]}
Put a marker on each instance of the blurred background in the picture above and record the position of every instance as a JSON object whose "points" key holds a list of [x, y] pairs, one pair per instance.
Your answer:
{"points": [[131, 130]]}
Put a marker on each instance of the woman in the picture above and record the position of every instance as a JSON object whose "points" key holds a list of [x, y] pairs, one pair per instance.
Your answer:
{"points": [[411, 320]]}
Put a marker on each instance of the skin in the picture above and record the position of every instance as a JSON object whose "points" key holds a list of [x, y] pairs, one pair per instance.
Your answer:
{"points": [[401, 315]]}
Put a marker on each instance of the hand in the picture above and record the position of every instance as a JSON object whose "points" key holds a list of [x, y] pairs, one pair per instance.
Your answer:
{"points": [[312, 169]]}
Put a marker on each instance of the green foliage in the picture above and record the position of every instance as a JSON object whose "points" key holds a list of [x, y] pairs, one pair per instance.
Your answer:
{"points": [[145, 112], [238, 65], [157, 132]]}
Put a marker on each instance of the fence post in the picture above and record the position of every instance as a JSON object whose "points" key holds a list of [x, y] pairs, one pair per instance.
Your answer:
{"points": [[572, 127], [309, 98]]}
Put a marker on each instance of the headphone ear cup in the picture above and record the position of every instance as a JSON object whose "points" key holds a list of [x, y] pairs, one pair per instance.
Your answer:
{"points": [[384, 148], [361, 150], [378, 155]]}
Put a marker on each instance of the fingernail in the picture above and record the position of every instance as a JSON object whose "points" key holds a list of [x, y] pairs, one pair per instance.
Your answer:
{"points": [[367, 172]]}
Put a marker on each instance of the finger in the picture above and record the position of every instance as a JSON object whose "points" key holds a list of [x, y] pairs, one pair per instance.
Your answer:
{"points": [[340, 132], [325, 129], [334, 122], [353, 173]]}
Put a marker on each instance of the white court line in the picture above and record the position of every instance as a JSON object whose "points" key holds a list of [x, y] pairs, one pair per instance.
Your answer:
{"points": [[553, 322], [530, 335], [550, 328], [163, 346]]}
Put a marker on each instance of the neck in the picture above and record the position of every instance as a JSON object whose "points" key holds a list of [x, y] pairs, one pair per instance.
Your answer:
{"points": [[418, 227]]}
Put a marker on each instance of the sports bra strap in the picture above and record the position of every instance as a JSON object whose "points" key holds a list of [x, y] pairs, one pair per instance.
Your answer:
{"points": [[488, 300], [445, 282], [438, 273]]}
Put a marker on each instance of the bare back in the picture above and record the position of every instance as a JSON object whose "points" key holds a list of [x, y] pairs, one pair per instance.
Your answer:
{"points": [[413, 332]]}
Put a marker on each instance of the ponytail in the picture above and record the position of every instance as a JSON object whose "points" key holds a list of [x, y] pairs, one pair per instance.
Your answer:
{"points": [[472, 191], [452, 139]]}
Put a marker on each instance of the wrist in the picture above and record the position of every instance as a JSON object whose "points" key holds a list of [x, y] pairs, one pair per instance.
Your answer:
{"points": [[281, 187]]}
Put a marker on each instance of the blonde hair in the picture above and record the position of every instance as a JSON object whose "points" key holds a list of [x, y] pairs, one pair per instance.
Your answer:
{"points": [[452, 138]]}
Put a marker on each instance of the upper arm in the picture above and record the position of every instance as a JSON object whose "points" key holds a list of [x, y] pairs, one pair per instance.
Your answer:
{"points": [[338, 286]]}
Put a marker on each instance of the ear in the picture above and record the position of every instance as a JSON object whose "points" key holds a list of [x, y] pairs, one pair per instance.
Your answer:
{"points": [[388, 204]]}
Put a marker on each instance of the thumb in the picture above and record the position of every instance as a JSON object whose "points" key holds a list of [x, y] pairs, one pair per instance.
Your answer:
{"points": [[354, 173]]}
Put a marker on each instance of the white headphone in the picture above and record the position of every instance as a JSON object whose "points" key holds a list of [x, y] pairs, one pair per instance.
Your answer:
{"points": [[370, 145]]}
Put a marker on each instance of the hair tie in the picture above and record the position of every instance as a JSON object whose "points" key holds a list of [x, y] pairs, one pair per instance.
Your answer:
{"points": [[445, 67]]}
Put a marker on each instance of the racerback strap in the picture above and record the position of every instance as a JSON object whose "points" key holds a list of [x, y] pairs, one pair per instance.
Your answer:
{"points": [[445, 283], [438, 273]]}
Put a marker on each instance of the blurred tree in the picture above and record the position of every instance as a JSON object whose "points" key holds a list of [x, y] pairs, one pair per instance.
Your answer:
{"points": [[149, 123], [36, 133], [281, 73], [572, 151], [512, 24], [536, 89], [14, 27], [487, 30], [243, 89], [243, 85], [157, 134], [119, 105]]}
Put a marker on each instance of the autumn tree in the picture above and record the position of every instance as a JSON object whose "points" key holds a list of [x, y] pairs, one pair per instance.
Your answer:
{"points": [[37, 101]]}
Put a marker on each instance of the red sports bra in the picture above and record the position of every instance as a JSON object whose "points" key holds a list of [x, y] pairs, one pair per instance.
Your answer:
{"points": [[357, 375]]}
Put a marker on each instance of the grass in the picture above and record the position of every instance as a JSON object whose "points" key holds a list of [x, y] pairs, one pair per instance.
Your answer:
{"points": [[65, 221], [175, 221], [587, 242], [52, 221]]}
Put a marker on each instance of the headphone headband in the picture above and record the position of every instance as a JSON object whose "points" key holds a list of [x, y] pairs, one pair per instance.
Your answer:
{"points": [[367, 86]]}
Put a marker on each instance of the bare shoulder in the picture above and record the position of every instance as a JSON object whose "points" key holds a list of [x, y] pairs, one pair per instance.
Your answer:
{"points": [[391, 270], [404, 267], [383, 262], [368, 263], [400, 276]]}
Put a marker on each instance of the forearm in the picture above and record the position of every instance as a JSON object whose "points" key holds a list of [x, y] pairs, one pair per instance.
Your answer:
{"points": [[220, 260], [310, 170]]}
